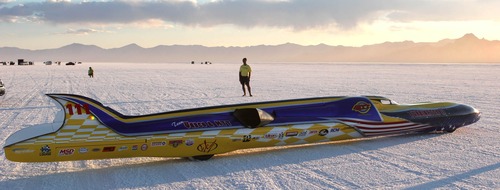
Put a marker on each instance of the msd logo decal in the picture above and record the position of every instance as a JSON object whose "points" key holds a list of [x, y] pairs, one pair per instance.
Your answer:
{"points": [[361, 107], [66, 152]]}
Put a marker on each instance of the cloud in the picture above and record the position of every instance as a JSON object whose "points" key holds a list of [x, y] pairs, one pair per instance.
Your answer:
{"points": [[297, 14], [83, 31], [447, 10]]}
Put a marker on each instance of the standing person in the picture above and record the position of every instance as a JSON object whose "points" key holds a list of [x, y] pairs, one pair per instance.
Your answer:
{"points": [[91, 72], [245, 73]]}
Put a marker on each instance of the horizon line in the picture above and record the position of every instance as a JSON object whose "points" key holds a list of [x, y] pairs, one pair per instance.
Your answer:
{"points": [[134, 43]]}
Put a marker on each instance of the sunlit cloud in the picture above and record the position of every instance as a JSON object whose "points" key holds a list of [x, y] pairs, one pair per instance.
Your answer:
{"points": [[58, 1], [9, 19], [152, 23], [81, 31]]}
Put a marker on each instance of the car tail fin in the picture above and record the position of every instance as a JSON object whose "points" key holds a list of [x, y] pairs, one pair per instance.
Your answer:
{"points": [[38, 130], [74, 112]]}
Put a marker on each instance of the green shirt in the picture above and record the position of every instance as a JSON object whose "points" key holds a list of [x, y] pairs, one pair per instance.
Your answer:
{"points": [[245, 70]]}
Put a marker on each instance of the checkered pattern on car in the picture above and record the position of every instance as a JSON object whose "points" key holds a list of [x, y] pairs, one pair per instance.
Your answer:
{"points": [[86, 128]]}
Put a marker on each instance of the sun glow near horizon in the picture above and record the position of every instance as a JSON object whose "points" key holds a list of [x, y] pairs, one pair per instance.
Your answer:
{"points": [[365, 34]]}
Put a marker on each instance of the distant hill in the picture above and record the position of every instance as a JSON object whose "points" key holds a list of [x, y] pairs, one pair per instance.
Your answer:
{"points": [[468, 48]]}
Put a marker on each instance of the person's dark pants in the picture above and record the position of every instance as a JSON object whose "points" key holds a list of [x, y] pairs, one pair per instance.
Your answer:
{"points": [[245, 81]]}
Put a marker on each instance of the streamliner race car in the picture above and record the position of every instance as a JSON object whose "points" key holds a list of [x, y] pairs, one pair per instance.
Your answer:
{"points": [[86, 129]]}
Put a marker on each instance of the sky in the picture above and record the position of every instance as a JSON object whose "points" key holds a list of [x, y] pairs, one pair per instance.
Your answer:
{"points": [[51, 24]]}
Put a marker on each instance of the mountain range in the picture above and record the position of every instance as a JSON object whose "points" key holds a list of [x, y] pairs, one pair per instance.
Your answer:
{"points": [[468, 48]]}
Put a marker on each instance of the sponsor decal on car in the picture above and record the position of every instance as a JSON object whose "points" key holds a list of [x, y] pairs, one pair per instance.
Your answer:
{"points": [[108, 149], [96, 150], [207, 147], [189, 142], [334, 130], [144, 147], [162, 143], [303, 133], [175, 143], [22, 150], [45, 151], [122, 148], [323, 132], [361, 107], [247, 138], [134, 147], [271, 136], [66, 152], [201, 124], [83, 150], [292, 133], [427, 113]]}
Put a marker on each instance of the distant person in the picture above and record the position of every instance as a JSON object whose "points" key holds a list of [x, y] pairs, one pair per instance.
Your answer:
{"points": [[245, 73], [91, 72]]}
